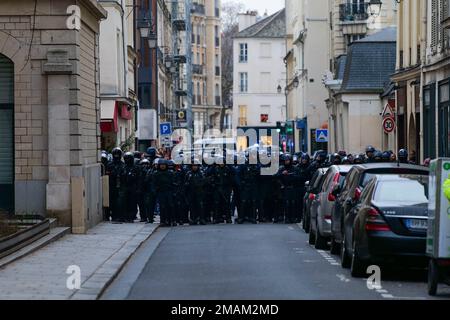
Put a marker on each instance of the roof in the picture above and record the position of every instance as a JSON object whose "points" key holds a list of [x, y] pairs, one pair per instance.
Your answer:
{"points": [[273, 26], [370, 63], [341, 63], [388, 34], [368, 166]]}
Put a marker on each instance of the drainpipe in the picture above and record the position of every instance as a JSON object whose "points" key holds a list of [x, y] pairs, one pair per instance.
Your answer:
{"points": [[423, 45]]}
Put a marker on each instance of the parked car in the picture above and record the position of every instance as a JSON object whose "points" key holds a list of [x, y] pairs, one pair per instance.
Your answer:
{"points": [[347, 195], [312, 189], [389, 222], [321, 207]]}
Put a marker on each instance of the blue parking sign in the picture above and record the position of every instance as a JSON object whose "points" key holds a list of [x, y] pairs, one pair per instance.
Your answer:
{"points": [[165, 129], [322, 135]]}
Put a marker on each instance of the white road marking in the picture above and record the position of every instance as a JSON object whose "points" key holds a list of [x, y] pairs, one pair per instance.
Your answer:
{"points": [[387, 296]]}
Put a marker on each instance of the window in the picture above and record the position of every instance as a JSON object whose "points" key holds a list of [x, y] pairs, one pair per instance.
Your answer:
{"points": [[265, 50], [216, 32], [199, 97], [429, 121], [243, 53], [242, 115], [243, 82], [217, 92], [444, 119], [264, 114]]}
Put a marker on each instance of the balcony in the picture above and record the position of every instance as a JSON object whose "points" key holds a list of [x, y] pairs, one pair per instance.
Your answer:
{"points": [[198, 9], [197, 69], [349, 12], [179, 23], [218, 101]]}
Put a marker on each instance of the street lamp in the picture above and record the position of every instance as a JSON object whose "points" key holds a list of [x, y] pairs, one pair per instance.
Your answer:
{"points": [[296, 82], [279, 89], [152, 40], [374, 7]]}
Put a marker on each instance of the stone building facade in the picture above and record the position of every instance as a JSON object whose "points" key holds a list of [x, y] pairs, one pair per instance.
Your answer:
{"points": [[50, 103]]}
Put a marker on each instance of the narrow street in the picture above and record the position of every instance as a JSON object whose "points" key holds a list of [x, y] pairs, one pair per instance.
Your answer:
{"points": [[248, 262]]}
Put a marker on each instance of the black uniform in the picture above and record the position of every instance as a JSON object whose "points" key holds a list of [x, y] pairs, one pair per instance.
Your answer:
{"points": [[163, 184], [117, 183], [249, 185], [221, 179], [131, 195], [149, 194], [180, 203], [195, 184], [289, 178]]}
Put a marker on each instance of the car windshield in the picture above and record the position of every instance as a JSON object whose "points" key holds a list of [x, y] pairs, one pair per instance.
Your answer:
{"points": [[411, 189]]}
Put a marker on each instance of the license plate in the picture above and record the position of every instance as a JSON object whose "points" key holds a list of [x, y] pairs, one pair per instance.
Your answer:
{"points": [[417, 224]]}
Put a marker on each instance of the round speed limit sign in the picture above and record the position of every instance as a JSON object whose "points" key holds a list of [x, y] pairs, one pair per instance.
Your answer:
{"points": [[388, 125]]}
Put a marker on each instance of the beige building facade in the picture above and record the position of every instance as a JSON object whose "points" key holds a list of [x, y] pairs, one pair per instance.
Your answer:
{"points": [[206, 65], [352, 21], [308, 55], [50, 110]]}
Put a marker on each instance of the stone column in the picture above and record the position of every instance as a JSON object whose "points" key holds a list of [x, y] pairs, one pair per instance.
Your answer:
{"points": [[58, 70]]}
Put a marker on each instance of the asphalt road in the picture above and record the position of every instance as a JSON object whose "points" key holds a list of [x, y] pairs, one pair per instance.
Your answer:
{"points": [[250, 262]]}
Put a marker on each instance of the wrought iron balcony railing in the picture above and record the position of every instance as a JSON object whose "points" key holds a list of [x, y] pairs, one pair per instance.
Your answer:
{"points": [[353, 11]]}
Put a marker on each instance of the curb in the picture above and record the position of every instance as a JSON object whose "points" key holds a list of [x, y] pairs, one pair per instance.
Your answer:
{"points": [[97, 283], [55, 234]]}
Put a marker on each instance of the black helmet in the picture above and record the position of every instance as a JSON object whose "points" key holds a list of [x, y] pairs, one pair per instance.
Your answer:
{"points": [[162, 162], [286, 157], [403, 155], [336, 158], [128, 158], [370, 149], [137, 155], [151, 152], [378, 156], [342, 153], [306, 157], [346, 160], [359, 159], [386, 156], [117, 153]]}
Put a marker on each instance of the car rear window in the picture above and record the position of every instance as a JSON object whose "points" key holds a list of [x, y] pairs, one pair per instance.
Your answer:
{"points": [[368, 175], [411, 189]]}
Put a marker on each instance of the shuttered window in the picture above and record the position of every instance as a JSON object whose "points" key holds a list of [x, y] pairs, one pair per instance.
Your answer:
{"points": [[434, 24], [6, 133]]}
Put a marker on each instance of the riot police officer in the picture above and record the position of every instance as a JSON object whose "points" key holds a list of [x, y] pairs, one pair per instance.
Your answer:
{"points": [[249, 174], [289, 178], [370, 154], [195, 184], [222, 181], [181, 211], [142, 189], [378, 157], [403, 156], [132, 173], [305, 175], [151, 154], [163, 185], [117, 182], [149, 191]]}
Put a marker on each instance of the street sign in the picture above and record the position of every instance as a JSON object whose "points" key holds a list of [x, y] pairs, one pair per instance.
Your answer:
{"points": [[388, 125], [165, 129], [322, 135], [388, 111], [181, 115]]}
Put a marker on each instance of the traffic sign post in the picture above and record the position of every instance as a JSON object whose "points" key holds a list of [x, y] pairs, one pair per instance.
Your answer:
{"points": [[322, 135], [388, 125], [165, 129]]}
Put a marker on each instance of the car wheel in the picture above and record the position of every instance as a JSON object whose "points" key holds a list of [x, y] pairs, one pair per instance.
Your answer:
{"points": [[334, 247], [321, 242], [345, 259], [358, 267], [433, 278], [312, 238]]}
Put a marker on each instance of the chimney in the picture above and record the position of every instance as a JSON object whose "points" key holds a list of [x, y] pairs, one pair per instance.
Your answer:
{"points": [[247, 19]]}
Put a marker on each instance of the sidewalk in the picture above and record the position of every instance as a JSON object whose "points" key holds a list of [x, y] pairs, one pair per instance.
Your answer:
{"points": [[100, 254]]}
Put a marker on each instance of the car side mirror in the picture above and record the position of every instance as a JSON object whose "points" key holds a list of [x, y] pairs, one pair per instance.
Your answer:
{"points": [[357, 195]]}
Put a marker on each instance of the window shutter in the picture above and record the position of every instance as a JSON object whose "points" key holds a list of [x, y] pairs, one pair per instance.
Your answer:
{"points": [[434, 25]]}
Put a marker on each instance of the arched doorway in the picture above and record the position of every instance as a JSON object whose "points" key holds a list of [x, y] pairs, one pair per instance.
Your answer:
{"points": [[6, 134]]}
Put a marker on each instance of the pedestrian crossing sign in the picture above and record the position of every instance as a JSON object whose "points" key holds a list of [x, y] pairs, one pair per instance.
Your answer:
{"points": [[322, 135]]}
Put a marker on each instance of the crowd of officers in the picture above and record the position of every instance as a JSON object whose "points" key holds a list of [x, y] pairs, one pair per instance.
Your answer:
{"points": [[199, 193]]}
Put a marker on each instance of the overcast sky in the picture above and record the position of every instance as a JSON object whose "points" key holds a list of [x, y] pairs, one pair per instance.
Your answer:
{"points": [[272, 6]]}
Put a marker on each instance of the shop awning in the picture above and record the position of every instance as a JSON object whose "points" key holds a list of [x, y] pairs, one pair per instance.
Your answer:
{"points": [[109, 114]]}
